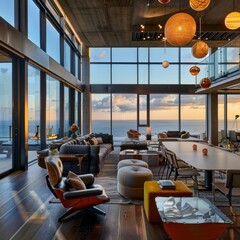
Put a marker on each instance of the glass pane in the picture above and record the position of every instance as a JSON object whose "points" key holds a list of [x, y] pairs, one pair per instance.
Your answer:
{"points": [[193, 114], [67, 56], [124, 54], [124, 115], [33, 106], [220, 114], [163, 112], [33, 23], [162, 54], [142, 54], [52, 108], [100, 55], [142, 109], [143, 73], [101, 110], [160, 75], [100, 73], [233, 109], [77, 110], [186, 77], [7, 11], [76, 66], [6, 116], [124, 74], [186, 55], [66, 111], [53, 42]]}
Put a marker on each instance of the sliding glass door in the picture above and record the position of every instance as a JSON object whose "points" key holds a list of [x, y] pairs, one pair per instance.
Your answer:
{"points": [[5, 113]]}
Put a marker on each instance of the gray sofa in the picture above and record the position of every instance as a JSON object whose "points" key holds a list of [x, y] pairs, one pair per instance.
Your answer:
{"points": [[95, 154]]}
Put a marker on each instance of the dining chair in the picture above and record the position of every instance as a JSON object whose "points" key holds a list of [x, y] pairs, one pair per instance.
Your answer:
{"points": [[233, 137], [186, 172], [229, 188]]}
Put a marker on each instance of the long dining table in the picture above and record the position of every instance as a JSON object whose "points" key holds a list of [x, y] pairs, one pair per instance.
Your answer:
{"points": [[216, 159]]}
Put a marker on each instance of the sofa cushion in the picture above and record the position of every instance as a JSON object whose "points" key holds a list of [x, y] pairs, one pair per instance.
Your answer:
{"points": [[100, 140], [93, 141], [185, 135]]}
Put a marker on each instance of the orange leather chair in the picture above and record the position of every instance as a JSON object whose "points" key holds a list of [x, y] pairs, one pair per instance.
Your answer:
{"points": [[74, 199]]}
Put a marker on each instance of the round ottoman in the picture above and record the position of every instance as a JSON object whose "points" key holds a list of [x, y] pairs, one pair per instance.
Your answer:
{"points": [[132, 162], [130, 181]]}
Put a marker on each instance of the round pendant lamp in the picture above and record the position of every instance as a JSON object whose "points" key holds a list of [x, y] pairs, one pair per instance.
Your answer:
{"points": [[165, 64], [199, 5], [164, 1], [205, 83], [200, 49], [232, 20], [180, 29], [194, 70]]}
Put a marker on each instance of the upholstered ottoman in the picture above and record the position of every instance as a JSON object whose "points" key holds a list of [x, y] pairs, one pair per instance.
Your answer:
{"points": [[152, 190], [130, 181], [132, 162]]}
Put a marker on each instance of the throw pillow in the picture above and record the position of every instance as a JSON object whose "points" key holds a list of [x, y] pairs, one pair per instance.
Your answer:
{"points": [[93, 141], [75, 182], [162, 135], [100, 140], [185, 135]]}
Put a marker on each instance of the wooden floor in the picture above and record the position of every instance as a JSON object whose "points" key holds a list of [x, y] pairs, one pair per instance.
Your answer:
{"points": [[25, 213]]}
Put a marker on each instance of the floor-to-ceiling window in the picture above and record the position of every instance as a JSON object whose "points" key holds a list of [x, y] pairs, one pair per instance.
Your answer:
{"points": [[233, 109], [33, 106], [5, 114], [193, 114], [33, 22], [52, 108], [7, 11], [66, 111], [164, 113]]}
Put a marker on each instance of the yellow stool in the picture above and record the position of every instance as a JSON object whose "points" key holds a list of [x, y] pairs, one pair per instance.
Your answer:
{"points": [[152, 190]]}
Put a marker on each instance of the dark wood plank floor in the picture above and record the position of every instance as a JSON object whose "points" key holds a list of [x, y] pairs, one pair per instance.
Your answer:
{"points": [[25, 213]]}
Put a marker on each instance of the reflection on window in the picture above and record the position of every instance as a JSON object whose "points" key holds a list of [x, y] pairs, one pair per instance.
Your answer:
{"points": [[187, 57], [52, 108], [143, 73], [142, 54], [124, 74], [67, 56], [7, 11], [53, 42], [101, 113], [77, 110], [163, 54], [220, 112], [5, 100], [33, 103], [164, 112], [66, 111], [124, 114], [33, 23], [76, 66], [100, 73], [233, 108], [124, 54], [100, 54], [160, 75], [193, 114], [186, 77]]}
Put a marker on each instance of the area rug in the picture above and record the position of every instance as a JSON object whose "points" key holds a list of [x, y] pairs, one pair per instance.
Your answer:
{"points": [[108, 179]]}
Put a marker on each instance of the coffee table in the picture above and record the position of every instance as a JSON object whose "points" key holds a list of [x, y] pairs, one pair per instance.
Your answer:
{"points": [[150, 157], [192, 217]]}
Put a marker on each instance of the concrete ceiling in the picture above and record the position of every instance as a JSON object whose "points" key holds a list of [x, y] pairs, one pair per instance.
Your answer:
{"points": [[116, 23]]}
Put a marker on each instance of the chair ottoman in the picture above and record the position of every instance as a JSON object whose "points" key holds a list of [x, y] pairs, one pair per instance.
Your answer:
{"points": [[130, 181], [132, 162], [152, 190]]}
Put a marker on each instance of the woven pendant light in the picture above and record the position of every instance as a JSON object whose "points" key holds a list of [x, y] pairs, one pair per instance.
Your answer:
{"points": [[200, 49], [180, 29], [232, 20], [199, 5]]}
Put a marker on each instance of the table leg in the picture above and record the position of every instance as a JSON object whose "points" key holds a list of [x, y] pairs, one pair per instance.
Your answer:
{"points": [[208, 179]]}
